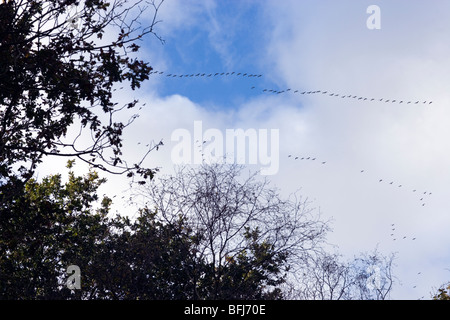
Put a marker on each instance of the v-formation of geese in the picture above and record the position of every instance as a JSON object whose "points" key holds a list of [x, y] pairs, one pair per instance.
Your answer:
{"points": [[397, 238], [394, 237], [422, 194], [251, 75], [349, 96], [207, 74]]}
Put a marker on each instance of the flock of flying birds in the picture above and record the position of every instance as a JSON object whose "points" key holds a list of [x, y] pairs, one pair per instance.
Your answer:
{"points": [[349, 96], [251, 75], [202, 74], [393, 235], [421, 194]]}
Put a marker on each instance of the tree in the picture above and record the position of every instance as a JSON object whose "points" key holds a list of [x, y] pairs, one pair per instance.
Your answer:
{"points": [[55, 73], [368, 276], [239, 221], [49, 227], [53, 225], [443, 292]]}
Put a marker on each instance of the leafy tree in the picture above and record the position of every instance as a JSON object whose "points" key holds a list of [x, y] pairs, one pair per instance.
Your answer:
{"points": [[55, 73], [443, 293], [51, 226], [54, 225]]}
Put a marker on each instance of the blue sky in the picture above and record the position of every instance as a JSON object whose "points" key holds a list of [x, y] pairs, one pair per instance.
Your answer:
{"points": [[215, 44], [321, 46]]}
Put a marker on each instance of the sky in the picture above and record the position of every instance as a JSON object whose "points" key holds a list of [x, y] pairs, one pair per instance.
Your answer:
{"points": [[317, 82]]}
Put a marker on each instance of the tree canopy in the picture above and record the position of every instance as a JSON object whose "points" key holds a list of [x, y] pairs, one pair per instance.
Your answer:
{"points": [[54, 225], [55, 74]]}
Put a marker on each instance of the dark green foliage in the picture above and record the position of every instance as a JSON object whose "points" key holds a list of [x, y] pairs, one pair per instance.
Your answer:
{"points": [[53, 225], [53, 76]]}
